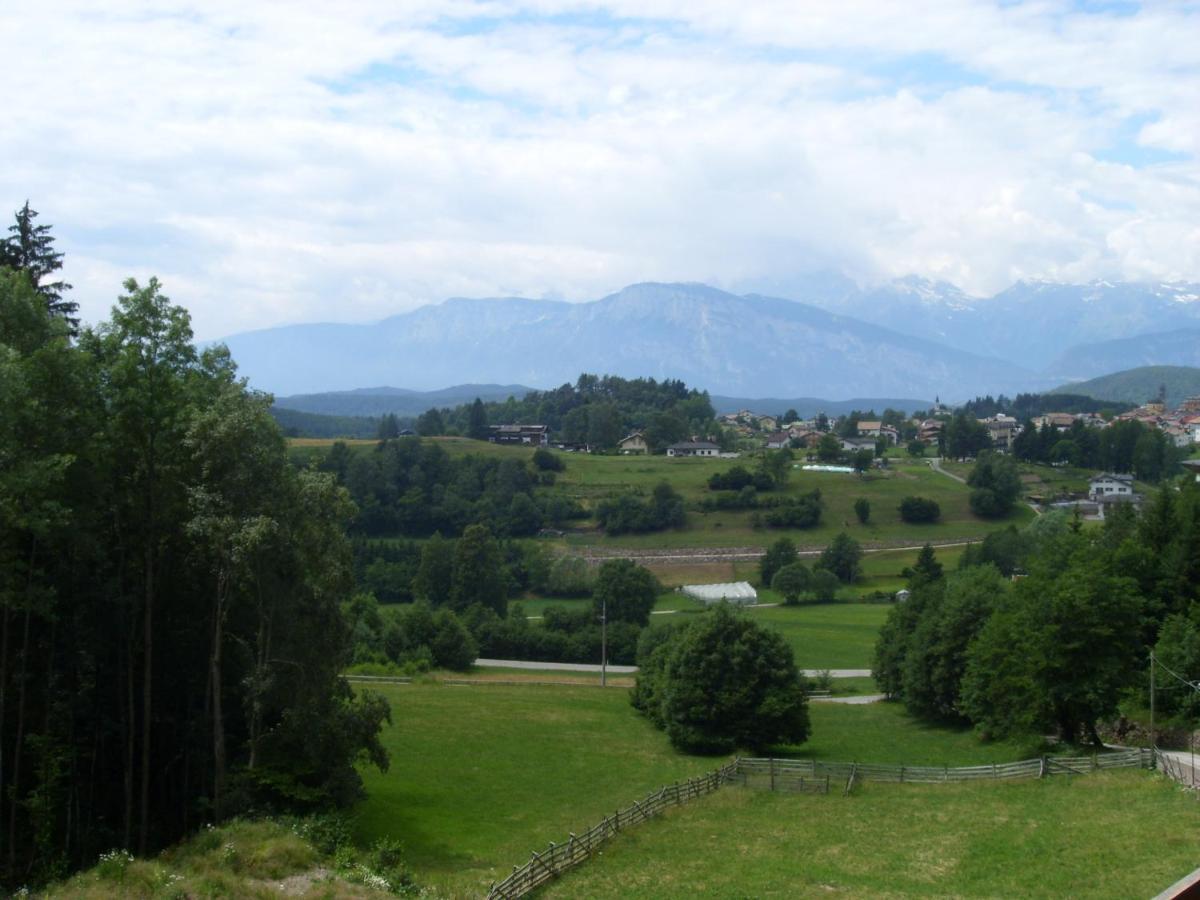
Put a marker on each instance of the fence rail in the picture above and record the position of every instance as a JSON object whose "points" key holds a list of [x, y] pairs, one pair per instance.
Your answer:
{"points": [[556, 858], [799, 776], [1027, 768]]}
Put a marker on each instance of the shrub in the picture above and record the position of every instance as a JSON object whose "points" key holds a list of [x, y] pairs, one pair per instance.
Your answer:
{"points": [[803, 512], [919, 510], [545, 461], [862, 509], [823, 586], [791, 581]]}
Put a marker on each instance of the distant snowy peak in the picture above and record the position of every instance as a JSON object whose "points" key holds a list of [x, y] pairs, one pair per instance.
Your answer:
{"points": [[933, 293]]}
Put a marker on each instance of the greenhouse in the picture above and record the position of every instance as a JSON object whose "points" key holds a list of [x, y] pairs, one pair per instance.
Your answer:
{"points": [[737, 592]]}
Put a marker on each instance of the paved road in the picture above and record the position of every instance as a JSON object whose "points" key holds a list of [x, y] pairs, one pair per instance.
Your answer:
{"points": [[550, 666], [1189, 761], [628, 670], [861, 700]]}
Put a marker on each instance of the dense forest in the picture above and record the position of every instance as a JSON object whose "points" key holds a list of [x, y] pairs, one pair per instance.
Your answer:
{"points": [[596, 410], [171, 633]]}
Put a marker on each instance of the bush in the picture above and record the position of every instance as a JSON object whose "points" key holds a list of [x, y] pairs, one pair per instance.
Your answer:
{"points": [[823, 586], [628, 513], [545, 461], [862, 509], [919, 510], [724, 682], [791, 581], [803, 512], [738, 478]]}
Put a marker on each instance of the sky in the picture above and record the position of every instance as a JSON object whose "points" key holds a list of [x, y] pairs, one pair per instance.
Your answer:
{"points": [[280, 162]]}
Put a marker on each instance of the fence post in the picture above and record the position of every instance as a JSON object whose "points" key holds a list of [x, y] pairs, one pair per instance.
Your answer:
{"points": [[902, 774], [1042, 768], [772, 763]]}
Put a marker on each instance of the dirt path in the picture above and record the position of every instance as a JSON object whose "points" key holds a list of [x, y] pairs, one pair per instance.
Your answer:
{"points": [[743, 554], [936, 465]]}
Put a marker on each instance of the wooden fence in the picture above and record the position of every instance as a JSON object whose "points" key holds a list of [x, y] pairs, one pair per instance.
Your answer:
{"points": [[797, 776], [780, 771], [557, 858]]}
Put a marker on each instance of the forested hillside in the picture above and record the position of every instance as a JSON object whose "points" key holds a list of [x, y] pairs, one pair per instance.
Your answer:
{"points": [[170, 628], [1140, 385]]}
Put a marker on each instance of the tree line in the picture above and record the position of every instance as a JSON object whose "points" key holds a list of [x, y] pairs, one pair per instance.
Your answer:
{"points": [[1061, 646], [170, 633], [595, 410]]}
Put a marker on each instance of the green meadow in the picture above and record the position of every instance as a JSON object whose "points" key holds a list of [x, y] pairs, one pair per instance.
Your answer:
{"points": [[1117, 834], [481, 775]]}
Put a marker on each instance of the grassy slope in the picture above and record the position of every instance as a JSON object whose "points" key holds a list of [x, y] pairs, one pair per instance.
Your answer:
{"points": [[1139, 385], [483, 775], [827, 636], [590, 479], [1085, 837], [239, 859]]}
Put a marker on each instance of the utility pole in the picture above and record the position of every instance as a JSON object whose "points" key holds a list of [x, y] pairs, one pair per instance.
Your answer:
{"points": [[604, 642], [1153, 739]]}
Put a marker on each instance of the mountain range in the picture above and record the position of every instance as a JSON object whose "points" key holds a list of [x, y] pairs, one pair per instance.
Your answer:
{"points": [[909, 338]]}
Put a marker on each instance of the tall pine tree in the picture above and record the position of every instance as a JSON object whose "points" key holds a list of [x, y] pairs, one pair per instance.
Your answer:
{"points": [[30, 249]]}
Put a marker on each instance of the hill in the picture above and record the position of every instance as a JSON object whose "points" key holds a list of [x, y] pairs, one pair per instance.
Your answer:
{"points": [[750, 346], [313, 425], [1140, 385], [379, 401]]}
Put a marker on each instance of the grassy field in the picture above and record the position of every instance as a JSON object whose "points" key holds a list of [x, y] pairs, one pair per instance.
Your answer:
{"points": [[482, 775], [1084, 837], [827, 636], [822, 636], [885, 733]]}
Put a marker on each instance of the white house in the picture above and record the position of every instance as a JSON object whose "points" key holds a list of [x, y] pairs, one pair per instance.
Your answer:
{"points": [[1109, 485], [778, 440], [694, 448]]}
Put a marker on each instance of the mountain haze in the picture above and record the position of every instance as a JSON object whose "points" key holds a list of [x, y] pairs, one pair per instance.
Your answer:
{"points": [[1032, 324], [732, 345]]}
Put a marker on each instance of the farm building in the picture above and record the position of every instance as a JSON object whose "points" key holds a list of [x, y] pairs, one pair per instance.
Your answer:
{"points": [[694, 448], [739, 593], [537, 435]]}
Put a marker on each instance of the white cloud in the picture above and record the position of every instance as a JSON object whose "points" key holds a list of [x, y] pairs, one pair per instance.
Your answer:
{"points": [[288, 162]]}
